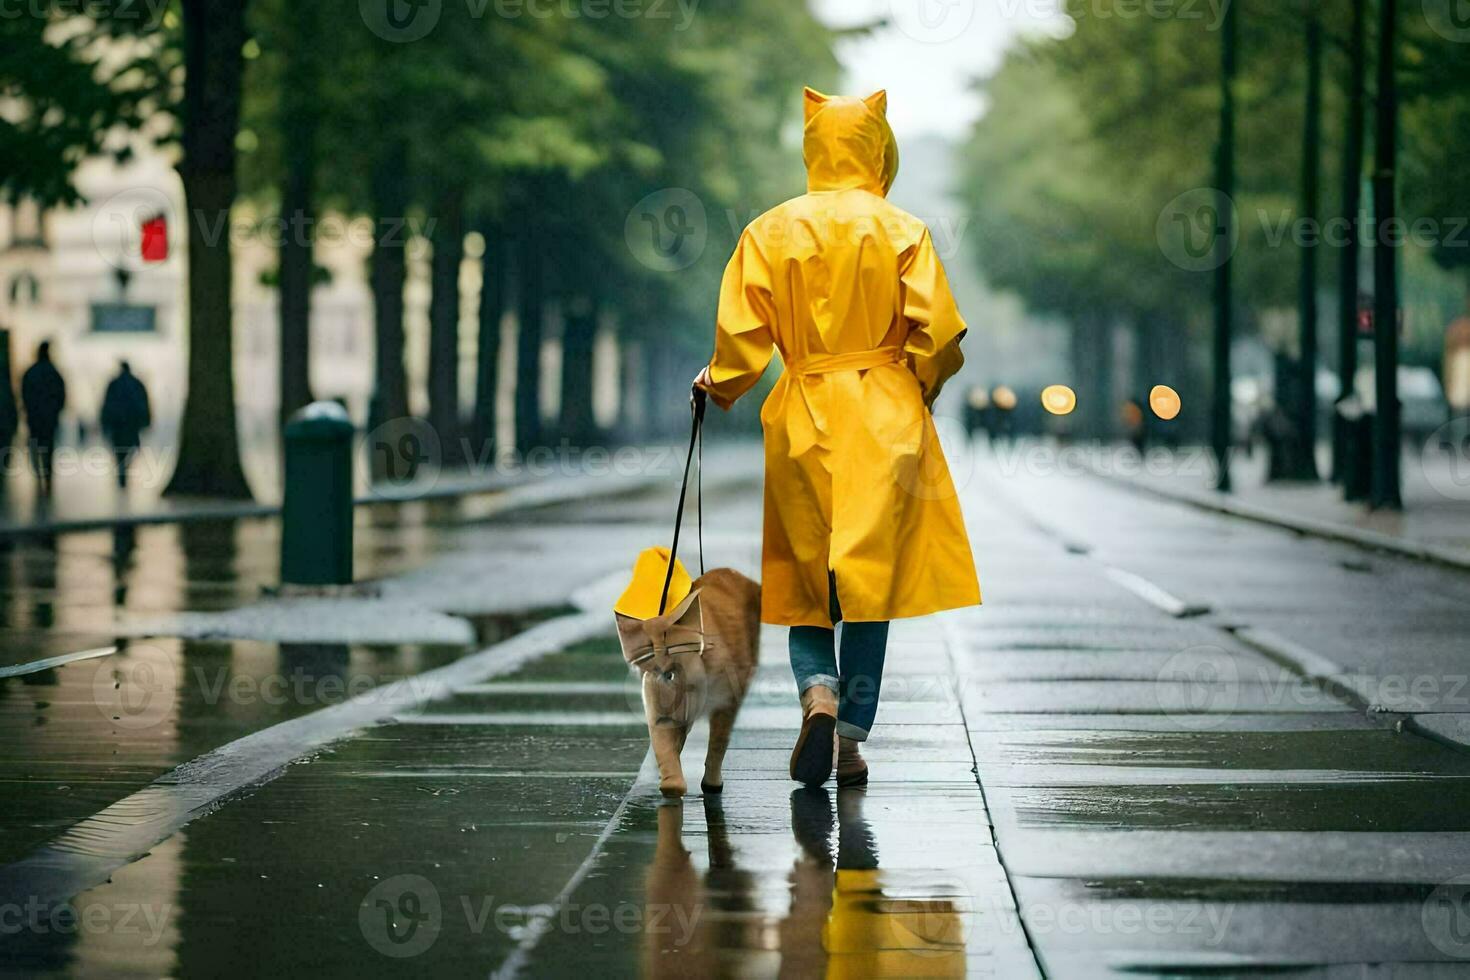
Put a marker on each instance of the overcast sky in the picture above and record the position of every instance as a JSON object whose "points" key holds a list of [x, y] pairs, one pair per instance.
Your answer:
{"points": [[929, 53]]}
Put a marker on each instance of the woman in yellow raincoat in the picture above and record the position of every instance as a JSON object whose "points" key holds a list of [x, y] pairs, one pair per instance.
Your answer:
{"points": [[859, 505]]}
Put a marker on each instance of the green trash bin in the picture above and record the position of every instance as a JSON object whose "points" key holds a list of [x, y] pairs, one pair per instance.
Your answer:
{"points": [[316, 513]]}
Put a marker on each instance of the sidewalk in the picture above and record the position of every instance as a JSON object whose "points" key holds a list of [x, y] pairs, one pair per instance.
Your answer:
{"points": [[1434, 524], [1077, 779]]}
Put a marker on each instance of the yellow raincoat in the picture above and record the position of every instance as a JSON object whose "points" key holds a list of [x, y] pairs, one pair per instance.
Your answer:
{"points": [[851, 292]]}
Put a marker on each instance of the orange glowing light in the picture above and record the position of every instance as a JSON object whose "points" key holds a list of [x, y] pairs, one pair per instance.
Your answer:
{"points": [[1059, 399], [1165, 402], [1004, 398]]}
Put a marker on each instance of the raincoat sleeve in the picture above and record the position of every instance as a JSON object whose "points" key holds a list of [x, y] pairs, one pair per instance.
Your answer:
{"points": [[744, 343], [935, 325]]}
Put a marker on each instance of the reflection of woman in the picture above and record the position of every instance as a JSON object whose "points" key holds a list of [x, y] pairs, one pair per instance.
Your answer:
{"points": [[858, 501], [864, 932]]}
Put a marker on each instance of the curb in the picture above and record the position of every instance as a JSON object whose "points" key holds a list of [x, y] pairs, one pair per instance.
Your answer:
{"points": [[1367, 540], [1446, 728]]}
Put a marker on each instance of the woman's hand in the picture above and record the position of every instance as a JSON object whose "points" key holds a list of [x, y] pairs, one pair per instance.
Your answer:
{"points": [[703, 380]]}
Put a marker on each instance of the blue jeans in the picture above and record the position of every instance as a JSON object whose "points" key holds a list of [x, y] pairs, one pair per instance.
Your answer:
{"points": [[857, 683]]}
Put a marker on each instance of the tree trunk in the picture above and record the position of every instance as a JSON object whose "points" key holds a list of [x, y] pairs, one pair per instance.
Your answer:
{"points": [[579, 335], [528, 344], [1386, 433], [1221, 428], [298, 133], [388, 273], [1352, 200], [448, 244], [209, 442], [1299, 459], [494, 290]]}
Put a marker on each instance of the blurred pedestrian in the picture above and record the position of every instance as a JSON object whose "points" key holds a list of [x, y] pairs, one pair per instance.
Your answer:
{"points": [[43, 395], [125, 415]]}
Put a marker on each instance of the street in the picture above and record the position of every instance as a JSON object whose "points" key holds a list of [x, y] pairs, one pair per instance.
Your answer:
{"points": [[1197, 742]]}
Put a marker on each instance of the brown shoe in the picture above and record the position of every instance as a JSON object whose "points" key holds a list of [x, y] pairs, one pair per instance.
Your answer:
{"points": [[851, 769], [811, 760]]}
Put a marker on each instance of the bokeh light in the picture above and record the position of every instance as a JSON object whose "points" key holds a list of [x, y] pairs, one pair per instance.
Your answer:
{"points": [[1058, 399], [1004, 398], [1165, 402]]}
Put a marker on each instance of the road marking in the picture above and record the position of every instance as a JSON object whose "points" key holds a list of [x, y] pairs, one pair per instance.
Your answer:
{"points": [[36, 666], [87, 854], [1155, 596]]}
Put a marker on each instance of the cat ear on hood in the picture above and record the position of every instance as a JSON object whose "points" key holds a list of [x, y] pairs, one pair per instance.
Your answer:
{"points": [[687, 613], [878, 102], [811, 101]]}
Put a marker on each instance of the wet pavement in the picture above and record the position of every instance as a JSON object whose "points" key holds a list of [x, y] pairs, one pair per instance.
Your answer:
{"points": [[1151, 753]]}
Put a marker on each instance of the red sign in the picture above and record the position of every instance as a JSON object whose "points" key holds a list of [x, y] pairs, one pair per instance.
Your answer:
{"points": [[155, 239]]}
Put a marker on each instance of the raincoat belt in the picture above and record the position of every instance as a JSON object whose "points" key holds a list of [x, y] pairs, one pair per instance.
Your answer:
{"points": [[855, 361]]}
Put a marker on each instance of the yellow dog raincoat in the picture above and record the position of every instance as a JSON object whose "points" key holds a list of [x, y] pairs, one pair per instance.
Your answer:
{"points": [[851, 291]]}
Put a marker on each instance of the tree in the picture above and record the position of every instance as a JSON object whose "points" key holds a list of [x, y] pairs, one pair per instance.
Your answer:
{"points": [[1296, 449], [1352, 196], [209, 451], [1386, 434], [63, 103], [1221, 404], [300, 101]]}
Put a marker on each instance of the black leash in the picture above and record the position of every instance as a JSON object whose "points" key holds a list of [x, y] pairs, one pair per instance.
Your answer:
{"points": [[696, 448]]}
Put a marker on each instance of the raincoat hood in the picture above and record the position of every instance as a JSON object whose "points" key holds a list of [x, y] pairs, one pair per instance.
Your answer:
{"points": [[847, 143]]}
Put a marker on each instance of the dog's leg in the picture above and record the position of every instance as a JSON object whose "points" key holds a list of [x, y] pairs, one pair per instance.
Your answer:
{"points": [[721, 722], [666, 742]]}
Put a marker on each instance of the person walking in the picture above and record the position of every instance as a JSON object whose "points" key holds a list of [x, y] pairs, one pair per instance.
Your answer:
{"points": [[43, 396], [125, 415], [862, 524]]}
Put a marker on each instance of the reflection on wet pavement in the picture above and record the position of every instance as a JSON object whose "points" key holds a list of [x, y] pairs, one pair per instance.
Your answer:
{"points": [[81, 736], [1185, 807]]}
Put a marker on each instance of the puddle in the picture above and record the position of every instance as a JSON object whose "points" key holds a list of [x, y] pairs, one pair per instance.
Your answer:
{"points": [[83, 735]]}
